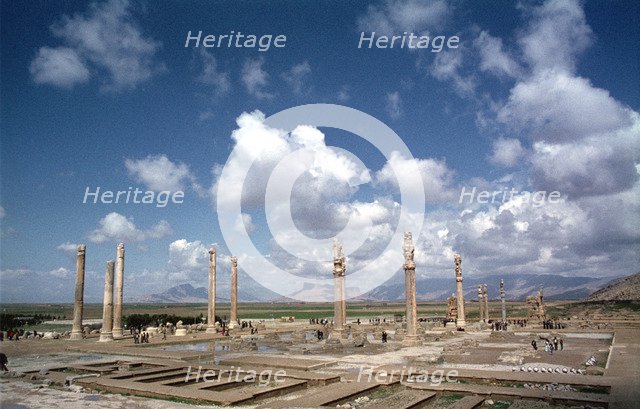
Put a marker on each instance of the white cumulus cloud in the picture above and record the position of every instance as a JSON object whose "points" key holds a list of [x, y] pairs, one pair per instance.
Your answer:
{"points": [[493, 57], [61, 66], [158, 173], [104, 40], [255, 78], [69, 248], [435, 175], [212, 75], [395, 16], [298, 78], [118, 228], [394, 104], [506, 152]]}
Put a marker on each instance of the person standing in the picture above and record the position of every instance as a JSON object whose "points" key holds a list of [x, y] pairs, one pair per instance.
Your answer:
{"points": [[3, 362]]}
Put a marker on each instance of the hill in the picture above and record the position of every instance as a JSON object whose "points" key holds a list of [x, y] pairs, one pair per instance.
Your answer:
{"points": [[623, 289]]}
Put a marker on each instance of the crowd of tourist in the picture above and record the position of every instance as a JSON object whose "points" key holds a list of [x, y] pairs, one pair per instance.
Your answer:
{"points": [[549, 345], [552, 324]]}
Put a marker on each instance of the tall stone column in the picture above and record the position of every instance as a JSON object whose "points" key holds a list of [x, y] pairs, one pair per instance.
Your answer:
{"points": [[541, 312], [411, 336], [480, 303], [211, 311], [107, 306], [117, 304], [78, 300], [486, 304], [504, 306], [460, 322], [339, 305], [343, 287], [233, 320]]}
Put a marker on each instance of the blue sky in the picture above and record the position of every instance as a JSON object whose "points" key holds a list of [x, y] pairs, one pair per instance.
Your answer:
{"points": [[539, 96]]}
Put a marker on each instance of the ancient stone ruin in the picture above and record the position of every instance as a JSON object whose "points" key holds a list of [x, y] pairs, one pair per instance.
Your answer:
{"points": [[480, 304], [452, 308], [233, 320], [78, 301], [339, 305], [502, 301], [411, 337], [211, 310], [119, 283], [106, 333], [486, 303], [460, 322], [535, 306]]}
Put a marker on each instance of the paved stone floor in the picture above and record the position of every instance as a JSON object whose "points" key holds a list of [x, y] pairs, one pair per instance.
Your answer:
{"points": [[271, 371]]}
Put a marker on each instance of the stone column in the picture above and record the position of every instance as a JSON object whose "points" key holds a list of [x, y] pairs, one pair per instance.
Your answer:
{"points": [[107, 306], [460, 323], [486, 304], [541, 310], [211, 312], [504, 306], [78, 303], [411, 336], [343, 287], [233, 321], [480, 303], [117, 305], [338, 287]]}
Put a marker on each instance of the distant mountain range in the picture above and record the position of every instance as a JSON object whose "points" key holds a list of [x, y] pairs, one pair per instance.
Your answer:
{"points": [[186, 293], [183, 293], [517, 287]]}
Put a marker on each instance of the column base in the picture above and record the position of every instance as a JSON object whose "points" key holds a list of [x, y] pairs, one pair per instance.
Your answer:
{"points": [[232, 325], [76, 336], [118, 333], [106, 337], [338, 333], [411, 341], [211, 330]]}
